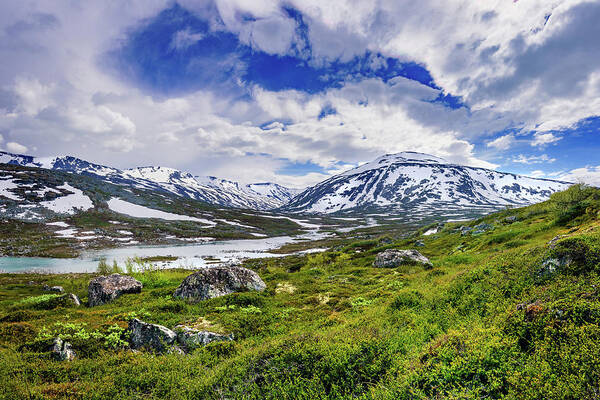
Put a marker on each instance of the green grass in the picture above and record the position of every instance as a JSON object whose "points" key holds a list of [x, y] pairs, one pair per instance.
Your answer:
{"points": [[485, 322]]}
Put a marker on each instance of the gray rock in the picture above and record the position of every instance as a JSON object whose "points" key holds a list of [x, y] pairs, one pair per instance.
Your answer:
{"points": [[190, 338], [419, 243], [65, 300], [395, 258], [57, 289], [211, 282], [552, 243], [511, 219], [62, 351], [104, 289], [152, 337], [552, 265]]}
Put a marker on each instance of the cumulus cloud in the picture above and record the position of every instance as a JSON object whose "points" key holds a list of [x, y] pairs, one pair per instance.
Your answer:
{"points": [[543, 139], [589, 175], [503, 142], [15, 147], [513, 67], [522, 159]]}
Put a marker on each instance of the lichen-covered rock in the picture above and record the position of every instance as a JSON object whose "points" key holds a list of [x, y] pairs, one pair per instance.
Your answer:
{"points": [[153, 337], [208, 283], [65, 300], [105, 289], [57, 289], [190, 338], [62, 351], [395, 258]]}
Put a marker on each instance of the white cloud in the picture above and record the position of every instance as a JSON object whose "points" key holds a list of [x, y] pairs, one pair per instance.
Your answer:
{"points": [[185, 38], [503, 142], [537, 174], [589, 175], [523, 159], [15, 147], [508, 66], [543, 139]]}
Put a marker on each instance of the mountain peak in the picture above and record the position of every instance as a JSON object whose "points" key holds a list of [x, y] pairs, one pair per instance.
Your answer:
{"points": [[394, 158]]}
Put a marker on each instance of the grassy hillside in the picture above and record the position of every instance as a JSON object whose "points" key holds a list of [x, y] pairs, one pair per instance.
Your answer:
{"points": [[491, 319]]}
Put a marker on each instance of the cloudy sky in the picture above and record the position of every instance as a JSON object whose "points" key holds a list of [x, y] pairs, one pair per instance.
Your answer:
{"points": [[294, 91]]}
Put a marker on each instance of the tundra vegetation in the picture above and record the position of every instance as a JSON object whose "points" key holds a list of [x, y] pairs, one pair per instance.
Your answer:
{"points": [[507, 310]]}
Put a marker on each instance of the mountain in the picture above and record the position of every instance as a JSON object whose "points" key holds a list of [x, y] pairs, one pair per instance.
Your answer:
{"points": [[417, 182], [257, 196]]}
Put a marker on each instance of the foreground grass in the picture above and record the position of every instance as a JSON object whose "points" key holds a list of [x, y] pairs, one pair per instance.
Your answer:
{"points": [[487, 321]]}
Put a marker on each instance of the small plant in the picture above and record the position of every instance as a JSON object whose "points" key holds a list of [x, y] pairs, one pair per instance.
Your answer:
{"points": [[360, 302]]}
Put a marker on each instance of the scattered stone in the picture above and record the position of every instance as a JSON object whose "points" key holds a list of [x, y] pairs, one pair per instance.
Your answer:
{"points": [[57, 289], [153, 337], [395, 258], [62, 351], [481, 228], [65, 300], [511, 219], [211, 282], [419, 243], [285, 287], [190, 338], [464, 230], [531, 309], [105, 289], [552, 243]]}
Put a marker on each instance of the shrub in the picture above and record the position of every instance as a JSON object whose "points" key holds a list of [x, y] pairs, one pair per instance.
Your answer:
{"points": [[577, 255], [407, 299]]}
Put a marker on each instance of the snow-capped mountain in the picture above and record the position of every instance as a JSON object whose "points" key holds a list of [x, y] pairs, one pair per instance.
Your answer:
{"points": [[414, 181], [258, 196]]}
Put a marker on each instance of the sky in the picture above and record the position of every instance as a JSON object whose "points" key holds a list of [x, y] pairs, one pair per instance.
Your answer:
{"points": [[294, 91]]}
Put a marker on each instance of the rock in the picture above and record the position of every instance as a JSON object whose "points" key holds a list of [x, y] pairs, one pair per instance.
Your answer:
{"points": [[211, 282], [104, 289], [531, 309], [152, 337], [62, 351], [511, 219], [190, 338], [65, 300], [395, 258], [419, 243], [57, 289], [552, 243], [552, 265]]}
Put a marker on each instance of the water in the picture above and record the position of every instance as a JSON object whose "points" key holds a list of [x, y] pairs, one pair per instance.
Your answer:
{"points": [[190, 256]]}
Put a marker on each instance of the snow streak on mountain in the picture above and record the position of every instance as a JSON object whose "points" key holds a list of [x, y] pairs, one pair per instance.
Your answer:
{"points": [[415, 181], [258, 196]]}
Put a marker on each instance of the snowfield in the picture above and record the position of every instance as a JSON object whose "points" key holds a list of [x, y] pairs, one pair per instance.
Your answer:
{"points": [[135, 210], [69, 204]]}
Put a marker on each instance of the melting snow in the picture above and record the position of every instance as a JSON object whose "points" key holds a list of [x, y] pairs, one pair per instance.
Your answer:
{"points": [[135, 210], [58, 223], [5, 185], [69, 204]]}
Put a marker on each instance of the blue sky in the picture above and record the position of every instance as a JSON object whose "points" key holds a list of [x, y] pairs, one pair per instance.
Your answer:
{"points": [[295, 91]]}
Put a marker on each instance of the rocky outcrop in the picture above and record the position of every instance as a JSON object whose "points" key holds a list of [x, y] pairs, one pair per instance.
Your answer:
{"points": [[160, 339], [57, 289], [189, 338], [396, 258], [152, 337], [105, 289], [65, 300], [208, 283], [62, 351]]}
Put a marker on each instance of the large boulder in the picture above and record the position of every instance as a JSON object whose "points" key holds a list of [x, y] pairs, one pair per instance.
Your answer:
{"points": [[62, 351], [211, 282], [152, 337], [64, 300], [190, 338], [104, 289], [395, 258]]}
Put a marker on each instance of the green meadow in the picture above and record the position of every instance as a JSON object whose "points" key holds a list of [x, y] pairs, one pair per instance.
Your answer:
{"points": [[493, 318]]}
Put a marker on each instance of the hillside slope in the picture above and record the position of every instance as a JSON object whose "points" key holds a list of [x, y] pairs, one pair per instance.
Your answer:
{"points": [[509, 309], [418, 183], [257, 196]]}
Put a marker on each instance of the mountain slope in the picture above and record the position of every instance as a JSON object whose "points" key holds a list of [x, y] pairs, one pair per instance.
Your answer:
{"points": [[258, 196], [420, 182]]}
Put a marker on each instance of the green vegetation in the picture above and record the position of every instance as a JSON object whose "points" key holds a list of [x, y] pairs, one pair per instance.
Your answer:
{"points": [[502, 314]]}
